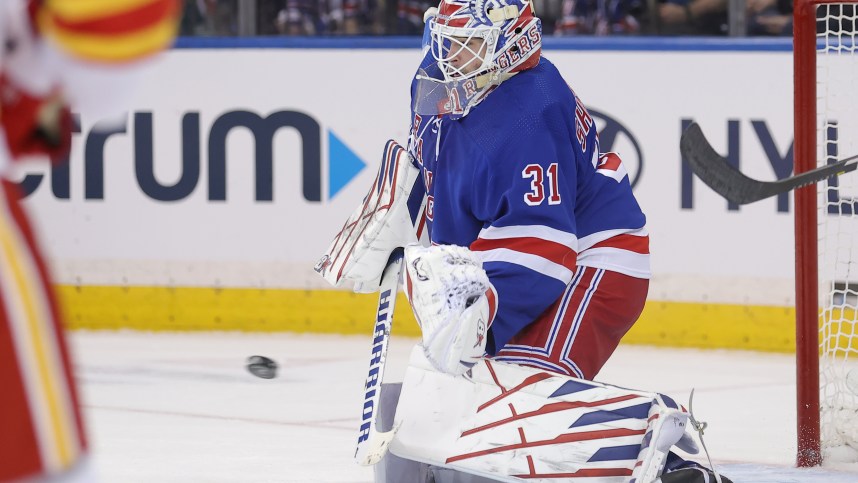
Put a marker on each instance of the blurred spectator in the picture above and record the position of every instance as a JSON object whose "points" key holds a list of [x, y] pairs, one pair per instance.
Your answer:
{"points": [[298, 17], [559, 17], [221, 17], [266, 16], [550, 12], [328, 17], [209, 17], [356, 16], [409, 16], [599, 17], [692, 17], [769, 17], [193, 18]]}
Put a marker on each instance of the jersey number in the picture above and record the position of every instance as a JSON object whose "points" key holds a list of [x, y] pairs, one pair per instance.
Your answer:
{"points": [[537, 177]]}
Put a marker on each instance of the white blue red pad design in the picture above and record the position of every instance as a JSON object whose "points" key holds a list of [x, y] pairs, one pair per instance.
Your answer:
{"points": [[514, 423]]}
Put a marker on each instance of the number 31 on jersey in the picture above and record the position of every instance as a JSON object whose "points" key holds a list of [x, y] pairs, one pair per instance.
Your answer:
{"points": [[541, 181]]}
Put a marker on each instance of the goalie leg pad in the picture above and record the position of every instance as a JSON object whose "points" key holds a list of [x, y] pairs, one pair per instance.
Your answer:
{"points": [[508, 422], [454, 303], [394, 469]]}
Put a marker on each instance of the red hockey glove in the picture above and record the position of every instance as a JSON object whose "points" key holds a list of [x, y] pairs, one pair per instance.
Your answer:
{"points": [[34, 125]]}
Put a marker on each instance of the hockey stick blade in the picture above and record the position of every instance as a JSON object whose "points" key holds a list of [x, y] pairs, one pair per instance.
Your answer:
{"points": [[729, 182], [372, 444]]}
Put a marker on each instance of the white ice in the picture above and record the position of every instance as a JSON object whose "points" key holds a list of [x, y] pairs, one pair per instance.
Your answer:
{"points": [[183, 408]]}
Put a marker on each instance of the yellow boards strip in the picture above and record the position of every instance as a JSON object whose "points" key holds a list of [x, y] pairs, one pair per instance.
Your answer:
{"points": [[672, 324], [246, 309]]}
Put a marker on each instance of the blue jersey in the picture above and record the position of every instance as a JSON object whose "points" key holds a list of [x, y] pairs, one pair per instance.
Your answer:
{"points": [[520, 181]]}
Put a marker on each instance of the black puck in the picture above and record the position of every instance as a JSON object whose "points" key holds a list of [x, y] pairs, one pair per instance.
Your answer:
{"points": [[261, 366]]}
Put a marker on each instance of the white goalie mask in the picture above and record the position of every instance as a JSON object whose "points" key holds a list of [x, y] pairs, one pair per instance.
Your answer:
{"points": [[475, 45]]}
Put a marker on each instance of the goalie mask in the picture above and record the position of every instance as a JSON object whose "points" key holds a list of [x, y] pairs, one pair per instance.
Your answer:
{"points": [[475, 45]]}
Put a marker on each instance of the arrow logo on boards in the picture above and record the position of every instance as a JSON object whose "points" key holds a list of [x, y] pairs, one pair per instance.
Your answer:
{"points": [[343, 164]]}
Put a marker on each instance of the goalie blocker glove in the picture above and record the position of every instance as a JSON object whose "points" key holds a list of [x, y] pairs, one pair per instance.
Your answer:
{"points": [[454, 303], [389, 217]]}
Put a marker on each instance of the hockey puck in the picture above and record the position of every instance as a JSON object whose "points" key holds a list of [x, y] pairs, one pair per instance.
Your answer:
{"points": [[261, 366]]}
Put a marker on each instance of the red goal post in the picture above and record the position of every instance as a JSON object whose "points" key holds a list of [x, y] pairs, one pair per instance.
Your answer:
{"points": [[826, 226]]}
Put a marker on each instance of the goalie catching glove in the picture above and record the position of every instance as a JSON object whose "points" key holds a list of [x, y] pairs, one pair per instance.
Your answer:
{"points": [[454, 303], [389, 217]]}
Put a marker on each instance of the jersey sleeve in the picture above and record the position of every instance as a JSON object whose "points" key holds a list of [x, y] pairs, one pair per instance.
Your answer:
{"points": [[529, 241]]}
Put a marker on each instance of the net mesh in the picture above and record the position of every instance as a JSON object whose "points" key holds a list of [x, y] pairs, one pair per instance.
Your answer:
{"points": [[837, 138]]}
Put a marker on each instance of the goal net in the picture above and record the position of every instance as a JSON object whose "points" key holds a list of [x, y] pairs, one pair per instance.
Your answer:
{"points": [[826, 81]]}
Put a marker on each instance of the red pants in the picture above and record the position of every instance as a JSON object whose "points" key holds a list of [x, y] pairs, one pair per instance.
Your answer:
{"points": [[580, 331], [41, 431]]}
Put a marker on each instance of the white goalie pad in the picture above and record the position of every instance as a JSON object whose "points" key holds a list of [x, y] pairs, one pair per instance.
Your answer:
{"points": [[390, 216], [513, 423]]}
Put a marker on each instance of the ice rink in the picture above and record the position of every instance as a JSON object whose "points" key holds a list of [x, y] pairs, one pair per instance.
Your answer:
{"points": [[183, 408]]}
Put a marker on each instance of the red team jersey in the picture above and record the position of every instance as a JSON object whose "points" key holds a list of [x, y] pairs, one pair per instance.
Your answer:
{"points": [[42, 428], [100, 42], [520, 181]]}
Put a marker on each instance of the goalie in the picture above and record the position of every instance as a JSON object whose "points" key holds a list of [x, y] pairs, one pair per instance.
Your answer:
{"points": [[537, 256]]}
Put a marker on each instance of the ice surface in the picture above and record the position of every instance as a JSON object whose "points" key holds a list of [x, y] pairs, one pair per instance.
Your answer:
{"points": [[183, 408]]}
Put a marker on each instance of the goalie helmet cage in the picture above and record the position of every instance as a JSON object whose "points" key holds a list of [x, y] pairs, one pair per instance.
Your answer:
{"points": [[826, 230]]}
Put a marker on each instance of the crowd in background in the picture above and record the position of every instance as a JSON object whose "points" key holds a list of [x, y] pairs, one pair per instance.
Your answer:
{"points": [[560, 17]]}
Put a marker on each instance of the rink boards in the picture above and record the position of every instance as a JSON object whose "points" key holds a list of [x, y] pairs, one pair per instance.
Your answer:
{"points": [[206, 207]]}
